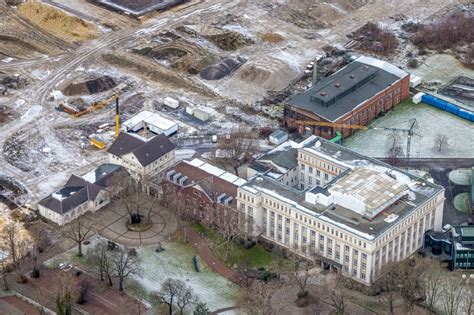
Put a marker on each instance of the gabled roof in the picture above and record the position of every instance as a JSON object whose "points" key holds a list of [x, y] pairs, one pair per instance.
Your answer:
{"points": [[103, 174], [75, 192], [145, 152], [153, 149], [124, 144]]}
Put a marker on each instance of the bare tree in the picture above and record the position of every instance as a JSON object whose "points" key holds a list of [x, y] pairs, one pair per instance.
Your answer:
{"points": [[395, 151], [174, 199], [134, 198], [300, 274], [184, 298], [441, 142], [169, 292], [78, 231], [238, 147], [125, 264], [335, 296], [4, 272], [100, 258], [388, 283], [256, 298], [230, 224], [432, 281], [11, 234], [468, 301], [85, 286], [35, 273], [452, 295]]}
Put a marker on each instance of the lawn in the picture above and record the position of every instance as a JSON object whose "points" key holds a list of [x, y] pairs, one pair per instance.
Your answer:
{"points": [[175, 262], [254, 257]]}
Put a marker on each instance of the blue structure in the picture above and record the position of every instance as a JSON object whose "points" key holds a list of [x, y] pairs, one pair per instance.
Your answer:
{"points": [[446, 106], [196, 263]]}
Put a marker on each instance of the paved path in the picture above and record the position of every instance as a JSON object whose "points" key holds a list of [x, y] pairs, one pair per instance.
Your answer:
{"points": [[206, 254], [112, 221]]}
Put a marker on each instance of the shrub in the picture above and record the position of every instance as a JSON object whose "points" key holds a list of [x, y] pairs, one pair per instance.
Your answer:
{"points": [[413, 63], [446, 33]]}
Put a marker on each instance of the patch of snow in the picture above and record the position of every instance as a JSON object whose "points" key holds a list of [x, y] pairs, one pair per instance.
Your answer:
{"points": [[8, 60], [32, 113]]}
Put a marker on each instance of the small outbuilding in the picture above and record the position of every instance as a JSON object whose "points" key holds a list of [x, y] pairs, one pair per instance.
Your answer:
{"points": [[278, 137]]}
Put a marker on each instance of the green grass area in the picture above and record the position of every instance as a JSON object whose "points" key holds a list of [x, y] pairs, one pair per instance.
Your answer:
{"points": [[461, 202], [254, 257]]}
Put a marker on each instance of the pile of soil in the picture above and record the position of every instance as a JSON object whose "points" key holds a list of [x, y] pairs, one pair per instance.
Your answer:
{"points": [[12, 81], [269, 73], [222, 69], [229, 40], [58, 22], [271, 37], [14, 47], [181, 55], [88, 87]]}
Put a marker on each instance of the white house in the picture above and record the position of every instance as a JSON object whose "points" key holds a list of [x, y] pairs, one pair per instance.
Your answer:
{"points": [[142, 157], [80, 195]]}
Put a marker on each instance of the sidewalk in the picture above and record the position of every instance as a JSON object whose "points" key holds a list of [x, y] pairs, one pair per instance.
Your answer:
{"points": [[205, 253]]}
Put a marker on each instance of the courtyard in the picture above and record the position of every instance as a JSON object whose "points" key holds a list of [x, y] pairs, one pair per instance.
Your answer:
{"points": [[112, 221]]}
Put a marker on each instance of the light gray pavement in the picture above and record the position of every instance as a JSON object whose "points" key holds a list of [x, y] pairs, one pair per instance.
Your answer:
{"points": [[112, 224]]}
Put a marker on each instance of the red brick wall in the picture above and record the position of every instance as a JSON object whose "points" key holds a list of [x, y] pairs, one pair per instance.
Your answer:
{"points": [[363, 115]]}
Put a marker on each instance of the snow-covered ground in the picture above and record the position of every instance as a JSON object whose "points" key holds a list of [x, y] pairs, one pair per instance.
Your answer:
{"points": [[177, 262], [431, 122]]}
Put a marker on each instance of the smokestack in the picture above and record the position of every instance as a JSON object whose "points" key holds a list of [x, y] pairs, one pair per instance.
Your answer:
{"points": [[117, 117]]}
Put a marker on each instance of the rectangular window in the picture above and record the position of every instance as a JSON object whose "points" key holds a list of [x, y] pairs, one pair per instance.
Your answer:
{"points": [[326, 176], [310, 169]]}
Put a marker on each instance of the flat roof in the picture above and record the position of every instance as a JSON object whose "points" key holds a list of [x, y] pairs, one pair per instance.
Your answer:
{"points": [[216, 171], [348, 88], [418, 191], [150, 118]]}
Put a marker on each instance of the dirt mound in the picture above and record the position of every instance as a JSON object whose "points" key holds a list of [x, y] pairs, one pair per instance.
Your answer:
{"points": [[15, 47], [229, 40], [93, 86], [270, 73], [12, 81], [179, 54], [57, 22], [222, 69], [271, 37]]}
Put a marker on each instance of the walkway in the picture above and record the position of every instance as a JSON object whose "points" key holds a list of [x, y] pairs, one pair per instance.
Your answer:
{"points": [[206, 254]]}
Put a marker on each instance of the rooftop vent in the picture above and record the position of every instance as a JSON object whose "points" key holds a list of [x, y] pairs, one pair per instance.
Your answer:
{"points": [[351, 76], [322, 93], [366, 68], [338, 84]]}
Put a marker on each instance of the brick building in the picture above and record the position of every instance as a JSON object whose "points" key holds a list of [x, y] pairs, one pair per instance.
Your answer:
{"points": [[354, 95], [203, 187]]}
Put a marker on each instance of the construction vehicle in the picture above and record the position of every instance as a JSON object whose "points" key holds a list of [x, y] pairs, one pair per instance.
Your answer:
{"points": [[410, 131], [97, 142]]}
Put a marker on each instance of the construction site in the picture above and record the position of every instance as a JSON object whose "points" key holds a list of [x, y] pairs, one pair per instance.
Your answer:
{"points": [[74, 73], [58, 88]]}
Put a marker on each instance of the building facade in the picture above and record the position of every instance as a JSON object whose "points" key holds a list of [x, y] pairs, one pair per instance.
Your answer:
{"points": [[81, 195], [355, 95], [140, 157], [205, 189], [354, 213]]}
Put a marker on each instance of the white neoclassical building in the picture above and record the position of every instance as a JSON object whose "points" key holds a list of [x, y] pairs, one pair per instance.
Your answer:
{"points": [[356, 213]]}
